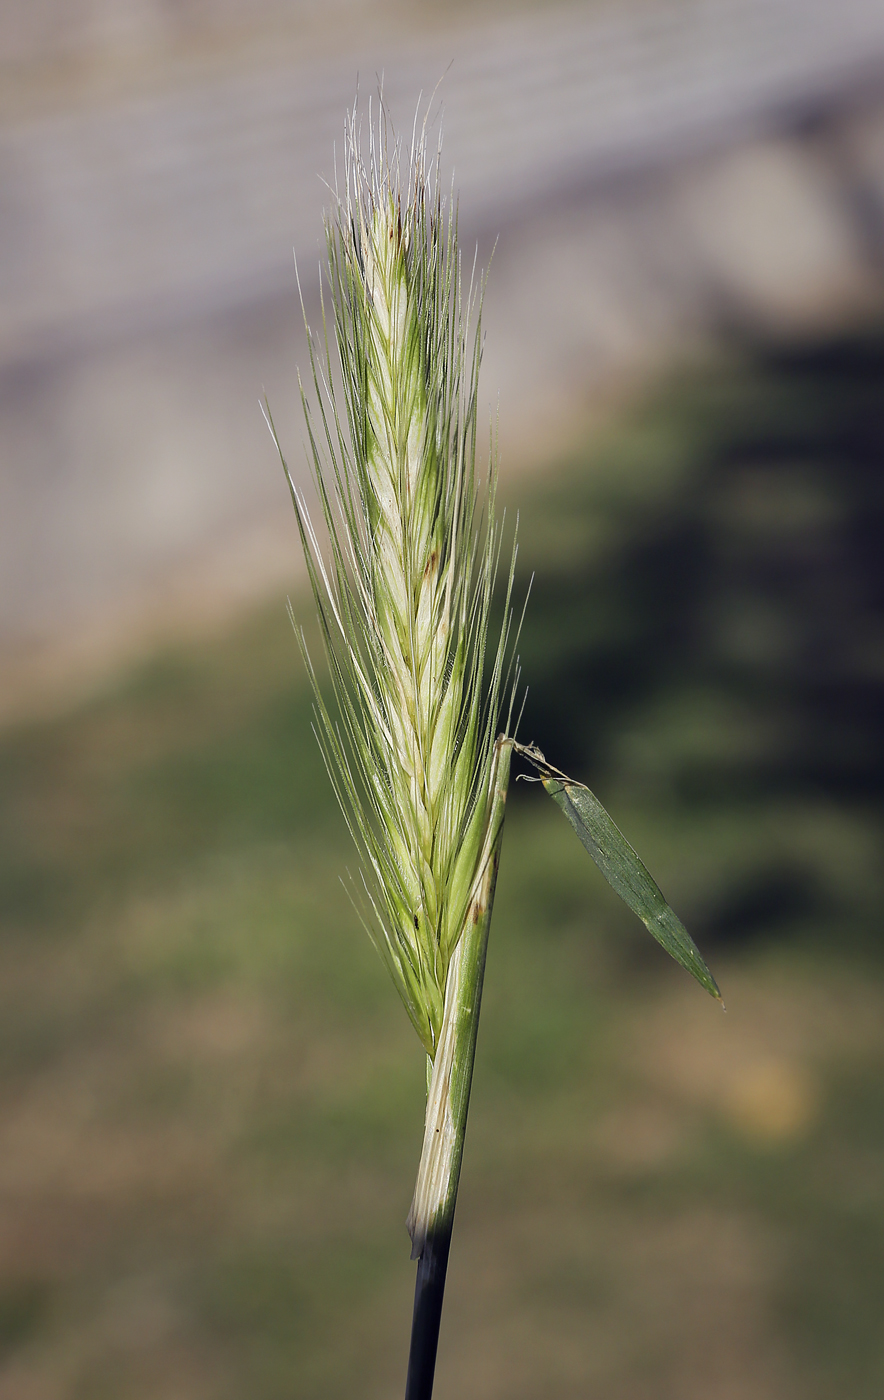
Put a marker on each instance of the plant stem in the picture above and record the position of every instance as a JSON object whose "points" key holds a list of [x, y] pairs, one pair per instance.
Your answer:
{"points": [[431, 1218], [429, 1291]]}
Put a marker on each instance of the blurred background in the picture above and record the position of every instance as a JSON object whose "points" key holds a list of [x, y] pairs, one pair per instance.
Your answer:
{"points": [[211, 1101]]}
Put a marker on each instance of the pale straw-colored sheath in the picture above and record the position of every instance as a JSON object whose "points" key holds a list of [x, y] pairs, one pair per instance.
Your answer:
{"points": [[449, 1094]]}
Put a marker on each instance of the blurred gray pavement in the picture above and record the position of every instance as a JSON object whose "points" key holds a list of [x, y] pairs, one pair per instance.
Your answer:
{"points": [[651, 171]]}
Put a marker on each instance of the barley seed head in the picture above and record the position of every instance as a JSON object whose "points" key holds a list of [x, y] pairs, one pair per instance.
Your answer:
{"points": [[403, 585]]}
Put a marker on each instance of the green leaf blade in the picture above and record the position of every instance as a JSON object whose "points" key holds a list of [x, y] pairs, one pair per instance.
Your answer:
{"points": [[628, 876]]}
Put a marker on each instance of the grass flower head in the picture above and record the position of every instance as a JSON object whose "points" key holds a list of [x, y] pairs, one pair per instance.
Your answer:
{"points": [[404, 585]]}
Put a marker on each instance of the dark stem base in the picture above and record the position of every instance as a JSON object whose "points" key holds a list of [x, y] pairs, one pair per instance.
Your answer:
{"points": [[429, 1291]]}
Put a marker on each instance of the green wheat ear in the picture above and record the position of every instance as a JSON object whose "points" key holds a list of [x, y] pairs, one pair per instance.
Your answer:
{"points": [[404, 592], [403, 589]]}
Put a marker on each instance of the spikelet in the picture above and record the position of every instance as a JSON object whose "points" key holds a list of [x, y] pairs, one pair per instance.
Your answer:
{"points": [[403, 589]]}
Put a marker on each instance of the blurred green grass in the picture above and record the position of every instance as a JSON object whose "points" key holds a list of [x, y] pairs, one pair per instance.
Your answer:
{"points": [[212, 1101]]}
